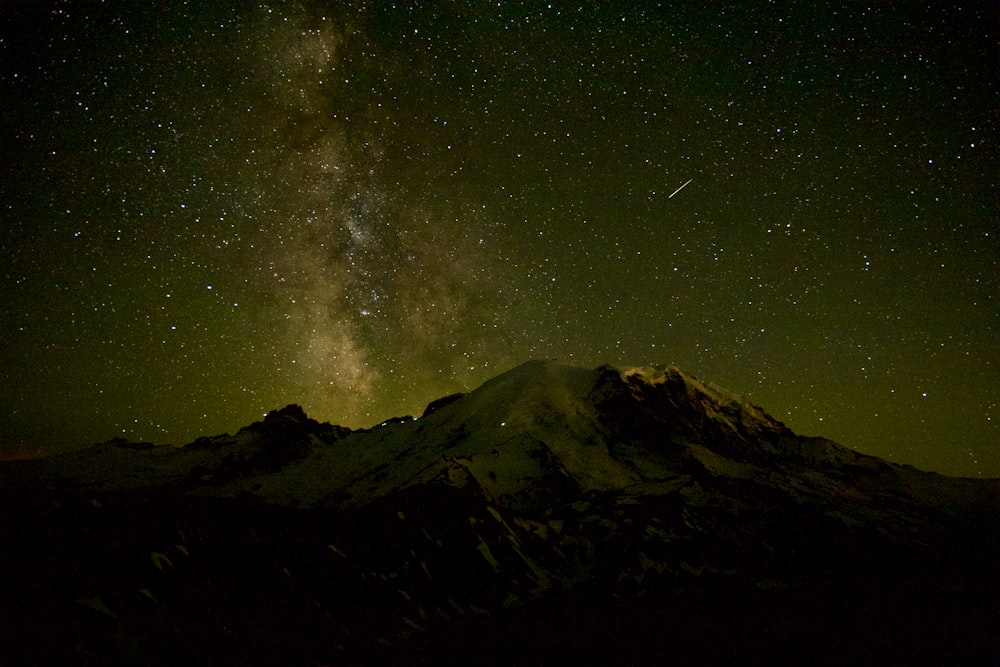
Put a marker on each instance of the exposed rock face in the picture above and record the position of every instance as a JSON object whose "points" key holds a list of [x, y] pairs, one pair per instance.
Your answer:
{"points": [[554, 515], [292, 412]]}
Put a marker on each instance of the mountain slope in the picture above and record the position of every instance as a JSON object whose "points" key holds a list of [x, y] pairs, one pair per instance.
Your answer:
{"points": [[552, 515]]}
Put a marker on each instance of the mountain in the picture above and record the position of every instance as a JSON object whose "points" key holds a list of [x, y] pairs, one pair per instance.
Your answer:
{"points": [[554, 515]]}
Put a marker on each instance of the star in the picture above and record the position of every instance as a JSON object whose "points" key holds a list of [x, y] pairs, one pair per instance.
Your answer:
{"points": [[361, 208]]}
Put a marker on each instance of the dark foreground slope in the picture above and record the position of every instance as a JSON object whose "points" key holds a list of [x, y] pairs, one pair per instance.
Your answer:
{"points": [[553, 516]]}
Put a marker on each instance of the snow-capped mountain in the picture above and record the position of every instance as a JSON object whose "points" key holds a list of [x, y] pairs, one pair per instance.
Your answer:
{"points": [[553, 515]]}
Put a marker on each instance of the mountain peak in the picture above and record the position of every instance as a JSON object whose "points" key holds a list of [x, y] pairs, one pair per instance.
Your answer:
{"points": [[639, 499], [291, 411]]}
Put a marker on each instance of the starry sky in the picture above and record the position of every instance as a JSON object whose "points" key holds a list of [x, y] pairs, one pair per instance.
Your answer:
{"points": [[210, 212]]}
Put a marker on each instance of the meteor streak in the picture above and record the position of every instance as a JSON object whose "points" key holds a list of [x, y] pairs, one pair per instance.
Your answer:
{"points": [[680, 188]]}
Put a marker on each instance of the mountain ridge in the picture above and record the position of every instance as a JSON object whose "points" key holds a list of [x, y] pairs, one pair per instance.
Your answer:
{"points": [[550, 498], [595, 427]]}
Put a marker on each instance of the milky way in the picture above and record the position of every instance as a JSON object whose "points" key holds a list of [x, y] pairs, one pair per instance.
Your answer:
{"points": [[209, 213]]}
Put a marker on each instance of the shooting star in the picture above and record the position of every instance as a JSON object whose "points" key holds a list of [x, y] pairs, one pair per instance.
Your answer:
{"points": [[680, 188]]}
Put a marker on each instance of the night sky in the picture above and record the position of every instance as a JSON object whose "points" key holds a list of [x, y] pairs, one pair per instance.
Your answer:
{"points": [[209, 213]]}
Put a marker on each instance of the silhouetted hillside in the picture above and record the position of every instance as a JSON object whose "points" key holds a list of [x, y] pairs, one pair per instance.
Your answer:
{"points": [[554, 515]]}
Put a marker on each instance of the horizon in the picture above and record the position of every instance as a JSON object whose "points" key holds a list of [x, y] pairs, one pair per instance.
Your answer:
{"points": [[5, 455]]}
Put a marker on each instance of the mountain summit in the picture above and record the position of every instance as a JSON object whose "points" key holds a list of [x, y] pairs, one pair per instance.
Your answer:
{"points": [[553, 515]]}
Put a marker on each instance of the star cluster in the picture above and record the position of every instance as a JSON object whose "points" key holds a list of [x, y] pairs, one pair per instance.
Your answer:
{"points": [[211, 212]]}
